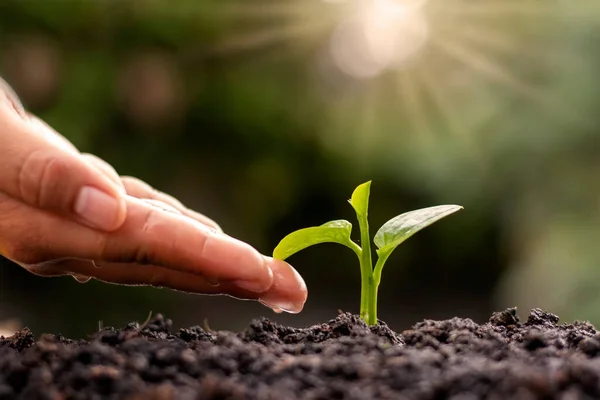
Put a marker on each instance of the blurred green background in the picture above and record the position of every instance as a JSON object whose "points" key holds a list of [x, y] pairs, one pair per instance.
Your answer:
{"points": [[265, 115]]}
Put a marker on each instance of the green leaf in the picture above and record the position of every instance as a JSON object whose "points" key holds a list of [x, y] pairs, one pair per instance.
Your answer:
{"points": [[400, 228], [360, 199], [332, 232]]}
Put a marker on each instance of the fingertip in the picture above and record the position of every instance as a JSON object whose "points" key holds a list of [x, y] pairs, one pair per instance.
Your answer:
{"points": [[288, 292]]}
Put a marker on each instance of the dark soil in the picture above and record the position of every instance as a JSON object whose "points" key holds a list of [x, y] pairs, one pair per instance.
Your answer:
{"points": [[342, 359]]}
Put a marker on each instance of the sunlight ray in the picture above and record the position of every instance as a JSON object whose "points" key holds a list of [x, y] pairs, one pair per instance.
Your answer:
{"points": [[482, 65], [492, 39], [370, 125], [272, 36], [413, 100], [252, 10], [441, 101], [445, 105], [494, 8], [501, 42], [496, 73], [479, 40]]}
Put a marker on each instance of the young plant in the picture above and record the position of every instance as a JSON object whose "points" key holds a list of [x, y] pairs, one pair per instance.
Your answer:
{"points": [[387, 238]]}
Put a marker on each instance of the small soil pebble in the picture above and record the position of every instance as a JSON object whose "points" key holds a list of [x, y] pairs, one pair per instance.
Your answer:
{"points": [[344, 358]]}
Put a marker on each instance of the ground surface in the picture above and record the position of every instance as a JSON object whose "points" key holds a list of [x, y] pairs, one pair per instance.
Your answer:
{"points": [[342, 359]]}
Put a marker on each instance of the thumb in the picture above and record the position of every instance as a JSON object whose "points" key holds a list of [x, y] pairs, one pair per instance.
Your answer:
{"points": [[46, 176]]}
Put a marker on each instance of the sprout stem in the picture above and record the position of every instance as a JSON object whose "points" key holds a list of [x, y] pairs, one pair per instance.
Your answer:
{"points": [[371, 317], [374, 289], [366, 273]]}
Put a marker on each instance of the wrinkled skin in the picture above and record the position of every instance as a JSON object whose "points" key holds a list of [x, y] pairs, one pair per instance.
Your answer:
{"points": [[67, 213]]}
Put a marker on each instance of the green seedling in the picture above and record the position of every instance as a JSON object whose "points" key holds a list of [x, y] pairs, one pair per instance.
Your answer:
{"points": [[387, 238]]}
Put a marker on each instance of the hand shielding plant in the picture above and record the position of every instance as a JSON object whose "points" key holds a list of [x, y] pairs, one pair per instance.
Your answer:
{"points": [[387, 238]]}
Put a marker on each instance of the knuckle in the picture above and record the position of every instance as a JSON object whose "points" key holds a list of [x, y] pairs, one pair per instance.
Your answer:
{"points": [[102, 247], [203, 248], [116, 249], [142, 251], [54, 170], [125, 249], [151, 229], [28, 177], [160, 240], [152, 222], [40, 179]]}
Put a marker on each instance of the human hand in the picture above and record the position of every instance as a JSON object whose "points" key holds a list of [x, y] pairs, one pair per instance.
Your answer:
{"points": [[67, 213]]}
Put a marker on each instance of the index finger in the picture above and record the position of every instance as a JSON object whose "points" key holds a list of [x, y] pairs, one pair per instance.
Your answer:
{"points": [[149, 235], [154, 236]]}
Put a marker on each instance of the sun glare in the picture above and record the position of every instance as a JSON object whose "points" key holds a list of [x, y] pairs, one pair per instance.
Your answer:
{"points": [[431, 64], [381, 34]]}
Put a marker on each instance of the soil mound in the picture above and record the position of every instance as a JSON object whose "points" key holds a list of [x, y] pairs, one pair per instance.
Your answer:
{"points": [[342, 359]]}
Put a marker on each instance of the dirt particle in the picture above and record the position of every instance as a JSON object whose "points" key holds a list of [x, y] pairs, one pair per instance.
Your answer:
{"points": [[506, 318], [540, 317]]}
